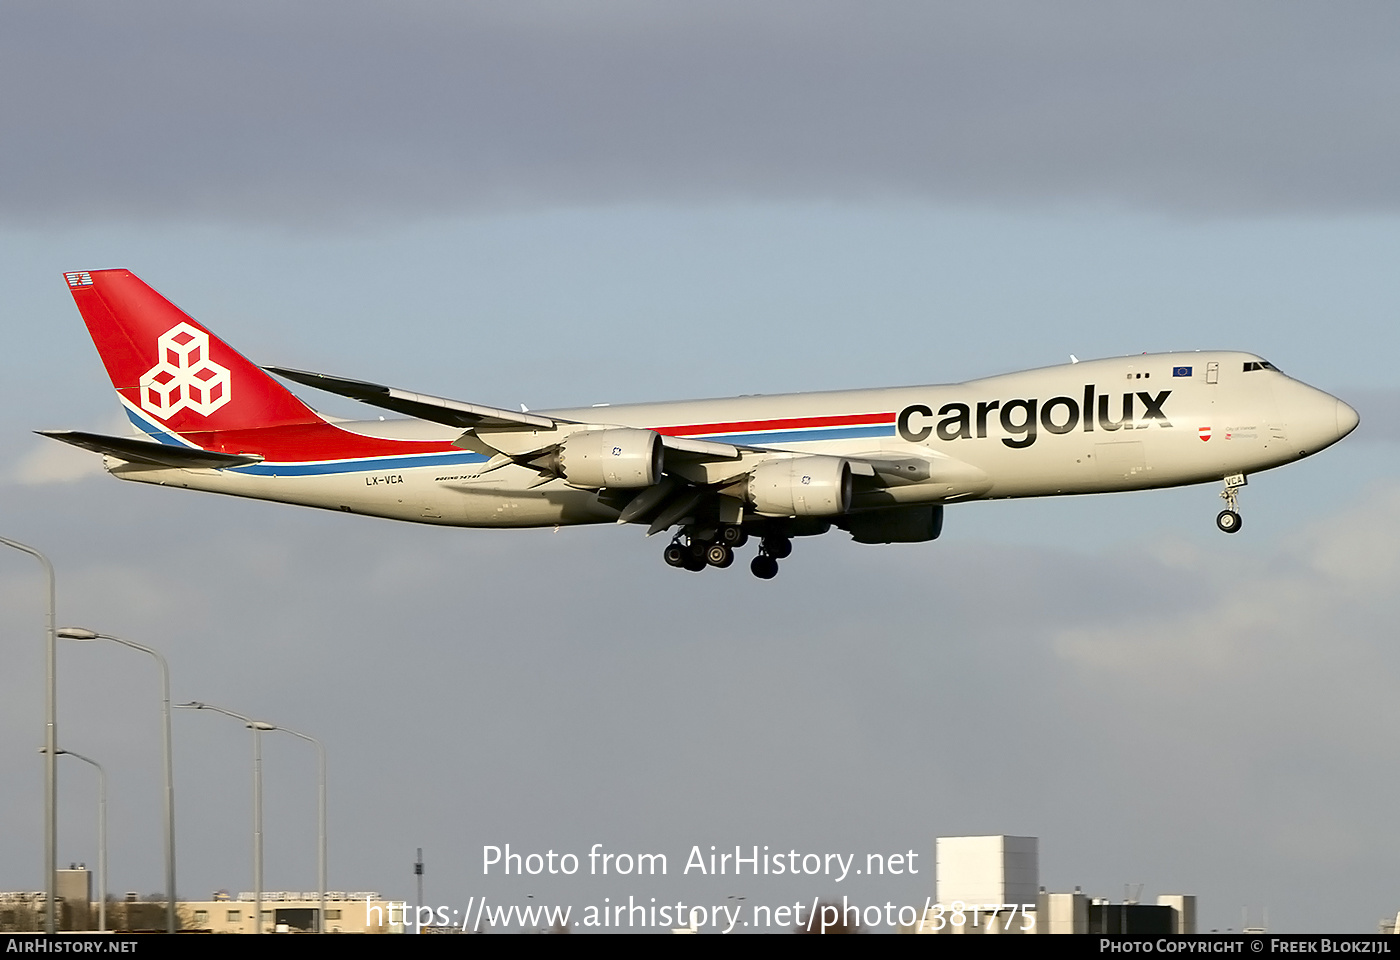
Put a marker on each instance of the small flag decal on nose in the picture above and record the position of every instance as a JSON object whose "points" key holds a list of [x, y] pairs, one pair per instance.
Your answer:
{"points": [[1205, 433], [1181, 371]]}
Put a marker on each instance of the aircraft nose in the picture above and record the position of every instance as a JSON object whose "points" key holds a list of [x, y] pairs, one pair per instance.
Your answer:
{"points": [[1347, 419]]}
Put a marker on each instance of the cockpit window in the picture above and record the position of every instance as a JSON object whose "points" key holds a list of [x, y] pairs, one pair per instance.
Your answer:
{"points": [[1259, 365]]}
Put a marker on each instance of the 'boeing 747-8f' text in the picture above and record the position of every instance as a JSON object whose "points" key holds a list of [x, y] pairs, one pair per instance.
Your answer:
{"points": [[879, 464]]}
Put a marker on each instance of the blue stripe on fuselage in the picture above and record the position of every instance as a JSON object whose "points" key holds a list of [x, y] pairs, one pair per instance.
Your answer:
{"points": [[323, 467], [154, 432], [373, 464], [367, 465]]}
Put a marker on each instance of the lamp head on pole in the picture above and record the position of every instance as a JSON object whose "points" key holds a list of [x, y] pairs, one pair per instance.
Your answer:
{"points": [[77, 633]]}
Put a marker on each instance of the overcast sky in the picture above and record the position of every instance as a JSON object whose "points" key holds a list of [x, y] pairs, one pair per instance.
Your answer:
{"points": [[564, 203]]}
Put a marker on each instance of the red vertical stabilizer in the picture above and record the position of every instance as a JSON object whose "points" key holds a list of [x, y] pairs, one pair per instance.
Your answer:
{"points": [[170, 368]]}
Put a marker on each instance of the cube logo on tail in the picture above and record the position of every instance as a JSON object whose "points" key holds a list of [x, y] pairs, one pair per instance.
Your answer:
{"points": [[184, 377]]}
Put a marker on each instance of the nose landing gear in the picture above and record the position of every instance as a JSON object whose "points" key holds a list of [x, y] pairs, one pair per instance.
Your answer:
{"points": [[1228, 520]]}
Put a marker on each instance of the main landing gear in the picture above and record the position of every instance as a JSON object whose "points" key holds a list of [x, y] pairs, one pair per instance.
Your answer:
{"points": [[1228, 520], [695, 548], [774, 548]]}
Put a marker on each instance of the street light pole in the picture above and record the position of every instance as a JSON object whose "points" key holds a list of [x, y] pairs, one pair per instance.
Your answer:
{"points": [[258, 728], [101, 835], [320, 821], [257, 827], [83, 634], [50, 746]]}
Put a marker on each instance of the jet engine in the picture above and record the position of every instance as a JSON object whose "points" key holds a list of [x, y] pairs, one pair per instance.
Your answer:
{"points": [[622, 457], [801, 487]]}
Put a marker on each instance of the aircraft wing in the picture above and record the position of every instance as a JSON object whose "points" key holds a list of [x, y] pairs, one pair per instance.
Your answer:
{"points": [[422, 406], [154, 454], [497, 422]]}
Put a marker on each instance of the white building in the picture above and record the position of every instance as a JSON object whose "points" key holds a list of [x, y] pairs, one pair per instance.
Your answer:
{"points": [[991, 885], [987, 869]]}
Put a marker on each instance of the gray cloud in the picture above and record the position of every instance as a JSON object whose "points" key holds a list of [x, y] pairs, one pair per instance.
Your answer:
{"points": [[1275, 676], [304, 112]]}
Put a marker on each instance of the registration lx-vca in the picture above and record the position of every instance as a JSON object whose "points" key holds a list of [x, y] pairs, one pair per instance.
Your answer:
{"points": [[880, 464]]}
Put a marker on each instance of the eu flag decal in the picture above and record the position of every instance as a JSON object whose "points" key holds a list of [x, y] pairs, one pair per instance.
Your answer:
{"points": [[1181, 371]]}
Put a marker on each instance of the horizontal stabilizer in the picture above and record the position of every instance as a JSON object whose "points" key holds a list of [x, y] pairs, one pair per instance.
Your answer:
{"points": [[145, 451], [423, 407]]}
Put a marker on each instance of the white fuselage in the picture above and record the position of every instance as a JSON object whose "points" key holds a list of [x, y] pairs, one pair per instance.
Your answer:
{"points": [[1151, 424]]}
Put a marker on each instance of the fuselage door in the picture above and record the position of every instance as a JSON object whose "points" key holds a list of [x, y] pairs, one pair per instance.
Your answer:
{"points": [[1212, 373]]}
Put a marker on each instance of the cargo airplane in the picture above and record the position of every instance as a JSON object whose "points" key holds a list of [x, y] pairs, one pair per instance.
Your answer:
{"points": [[879, 464]]}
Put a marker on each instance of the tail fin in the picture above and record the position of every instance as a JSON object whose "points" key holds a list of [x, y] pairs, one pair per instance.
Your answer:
{"points": [[168, 369]]}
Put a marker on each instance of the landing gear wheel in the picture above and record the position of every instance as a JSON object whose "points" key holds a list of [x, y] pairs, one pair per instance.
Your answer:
{"points": [[733, 537], [779, 548], [694, 562], [1228, 521], [675, 555], [764, 567], [719, 555]]}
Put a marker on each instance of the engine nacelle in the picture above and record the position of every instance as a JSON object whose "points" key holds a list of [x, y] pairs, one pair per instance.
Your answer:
{"points": [[912, 524], [801, 487], [621, 457]]}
